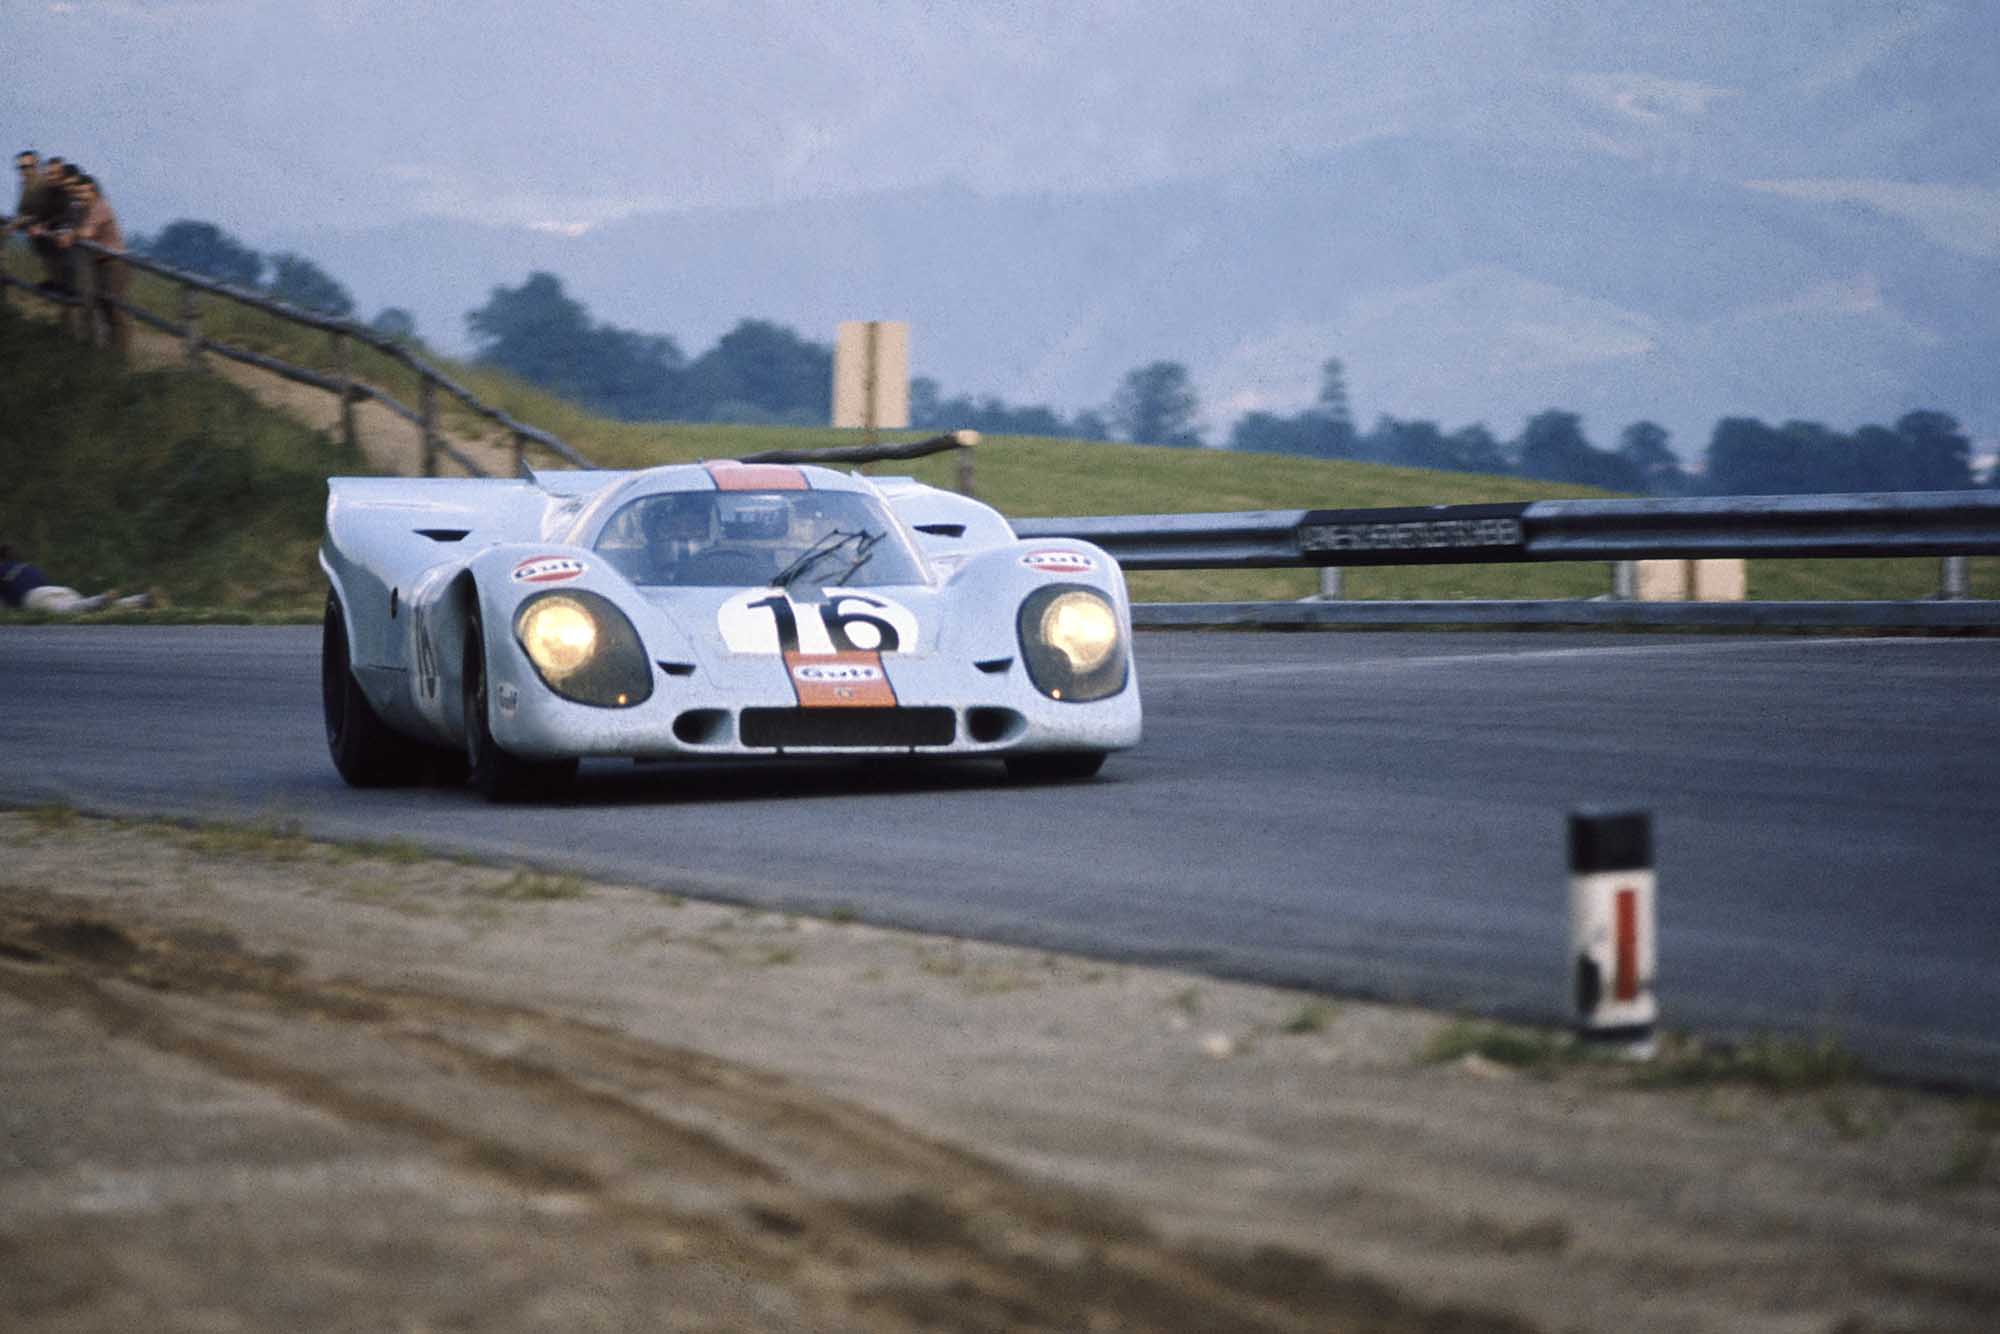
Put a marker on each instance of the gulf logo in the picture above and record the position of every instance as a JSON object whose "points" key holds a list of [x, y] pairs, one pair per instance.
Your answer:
{"points": [[1059, 562], [548, 570], [836, 673]]}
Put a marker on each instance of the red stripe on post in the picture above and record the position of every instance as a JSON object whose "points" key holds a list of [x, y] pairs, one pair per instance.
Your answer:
{"points": [[1626, 986]]}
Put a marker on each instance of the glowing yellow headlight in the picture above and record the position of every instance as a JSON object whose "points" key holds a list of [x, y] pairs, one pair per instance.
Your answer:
{"points": [[1083, 628], [560, 636]]}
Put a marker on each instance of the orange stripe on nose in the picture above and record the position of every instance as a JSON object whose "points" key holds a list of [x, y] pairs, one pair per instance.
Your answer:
{"points": [[840, 680], [730, 475]]}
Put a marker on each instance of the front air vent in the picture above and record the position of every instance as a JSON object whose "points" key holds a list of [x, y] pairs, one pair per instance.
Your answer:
{"points": [[847, 728], [994, 666], [942, 529], [444, 534], [677, 668]]}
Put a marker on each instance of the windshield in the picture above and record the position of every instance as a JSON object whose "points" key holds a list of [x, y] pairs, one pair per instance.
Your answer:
{"points": [[746, 539]]}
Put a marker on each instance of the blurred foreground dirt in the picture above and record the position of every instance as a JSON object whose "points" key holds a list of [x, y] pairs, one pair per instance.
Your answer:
{"points": [[253, 1083]]}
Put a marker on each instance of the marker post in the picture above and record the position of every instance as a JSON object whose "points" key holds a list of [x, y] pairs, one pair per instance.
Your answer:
{"points": [[1612, 954]]}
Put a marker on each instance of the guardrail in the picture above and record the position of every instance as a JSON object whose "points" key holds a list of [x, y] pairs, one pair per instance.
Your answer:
{"points": [[1953, 525], [342, 383]]}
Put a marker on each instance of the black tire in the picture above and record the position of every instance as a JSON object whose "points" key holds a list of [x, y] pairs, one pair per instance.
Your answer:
{"points": [[364, 749], [1067, 766], [497, 775]]}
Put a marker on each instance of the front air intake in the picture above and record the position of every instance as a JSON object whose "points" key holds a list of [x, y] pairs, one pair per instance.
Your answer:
{"points": [[846, 728]]}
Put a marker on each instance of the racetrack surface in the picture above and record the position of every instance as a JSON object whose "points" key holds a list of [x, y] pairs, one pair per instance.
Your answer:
{"points": [[1360, 813]]}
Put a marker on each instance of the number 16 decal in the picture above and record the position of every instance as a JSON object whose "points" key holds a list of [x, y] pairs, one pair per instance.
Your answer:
{"points": [[765, 620]]}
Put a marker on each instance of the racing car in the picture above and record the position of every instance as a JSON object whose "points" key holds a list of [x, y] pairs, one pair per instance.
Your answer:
{"points": [[502, 630]]}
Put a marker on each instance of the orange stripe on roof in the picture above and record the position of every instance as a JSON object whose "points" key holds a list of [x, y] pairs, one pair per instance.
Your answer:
{"points": [[730, 475]]}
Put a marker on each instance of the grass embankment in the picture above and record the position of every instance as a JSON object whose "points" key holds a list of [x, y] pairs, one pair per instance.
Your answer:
{"points": [[1032, 477], [177, 484]]}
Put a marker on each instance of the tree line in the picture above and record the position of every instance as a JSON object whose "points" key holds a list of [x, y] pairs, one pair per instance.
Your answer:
{"points": [[761, 372]]}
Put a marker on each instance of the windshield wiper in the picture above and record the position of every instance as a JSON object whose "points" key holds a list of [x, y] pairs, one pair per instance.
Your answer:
{"points": [[814, 554], [863, 550]]}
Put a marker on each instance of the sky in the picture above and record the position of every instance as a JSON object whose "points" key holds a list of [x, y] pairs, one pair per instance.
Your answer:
{"points": [[275, 116], [276, 113]]}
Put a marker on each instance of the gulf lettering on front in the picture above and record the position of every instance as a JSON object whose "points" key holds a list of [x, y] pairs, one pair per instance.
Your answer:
{"points": [[839, 680]]}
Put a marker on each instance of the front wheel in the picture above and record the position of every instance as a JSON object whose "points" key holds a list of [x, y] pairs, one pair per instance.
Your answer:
{"points": [[1060, 767], [496, 774], [364, 749]]}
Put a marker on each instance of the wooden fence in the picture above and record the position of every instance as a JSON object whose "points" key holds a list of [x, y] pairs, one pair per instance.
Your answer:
{"points": [[83, 314]]}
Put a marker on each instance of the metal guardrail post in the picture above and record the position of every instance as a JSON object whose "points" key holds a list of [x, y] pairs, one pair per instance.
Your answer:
{"points": [[1624, 580], [1954, 578], [1331, 579], [427, 423]]}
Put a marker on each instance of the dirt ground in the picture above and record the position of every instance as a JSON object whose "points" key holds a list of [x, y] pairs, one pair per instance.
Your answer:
{"points": [[253, 1083]]}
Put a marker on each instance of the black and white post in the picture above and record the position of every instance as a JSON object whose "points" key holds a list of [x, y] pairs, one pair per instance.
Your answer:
{"points": [[1613, 959]]}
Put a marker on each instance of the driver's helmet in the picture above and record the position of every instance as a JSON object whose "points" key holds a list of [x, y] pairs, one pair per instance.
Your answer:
{"points": [[677, 521], [756, 518]]}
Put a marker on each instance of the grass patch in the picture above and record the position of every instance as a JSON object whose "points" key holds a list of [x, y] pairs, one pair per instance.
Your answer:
{"points": [[1510, 1045], [1776, 1064], [1972, 1155], [53, 817], [1312, 1017], [537, 887], [181, 485]]}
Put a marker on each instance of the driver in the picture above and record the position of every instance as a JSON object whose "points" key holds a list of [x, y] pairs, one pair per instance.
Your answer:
{"points": [[677, 530]]}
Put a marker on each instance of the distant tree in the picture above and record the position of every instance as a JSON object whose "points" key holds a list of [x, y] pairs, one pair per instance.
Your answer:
{"points": [[760, 371], [1740, 454], [1937, 453], [395, 323], [204, 248], [1090, 424], [1553, 447], [535, 330], [924, 401], [297, 281], [1157, 405], [1643, 445], [1267, 433], [546, 337], [1473, 449]]}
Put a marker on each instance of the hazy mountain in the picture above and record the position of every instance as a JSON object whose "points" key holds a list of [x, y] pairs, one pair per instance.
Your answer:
{"points": [[1458, 279]]}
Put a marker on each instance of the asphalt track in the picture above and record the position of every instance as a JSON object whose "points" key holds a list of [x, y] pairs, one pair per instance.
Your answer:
{"points": [[1377, 814]]}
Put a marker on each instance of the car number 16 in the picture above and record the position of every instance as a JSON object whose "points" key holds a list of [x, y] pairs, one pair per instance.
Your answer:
{"points": [[768, 621]]}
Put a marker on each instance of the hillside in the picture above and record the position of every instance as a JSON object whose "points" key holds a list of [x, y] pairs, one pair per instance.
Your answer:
{"points": [[135, 480]]}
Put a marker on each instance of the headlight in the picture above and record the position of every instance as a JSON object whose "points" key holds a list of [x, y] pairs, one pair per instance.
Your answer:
{"points": [[1071, 641], [560, 637], [584, 649]]}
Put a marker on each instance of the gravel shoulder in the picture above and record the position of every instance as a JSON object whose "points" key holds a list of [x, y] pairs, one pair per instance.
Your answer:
{"points": [[257, 1082]]}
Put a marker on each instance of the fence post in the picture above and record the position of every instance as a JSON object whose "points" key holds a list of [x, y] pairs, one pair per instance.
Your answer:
{"points": [[965, 470], [520, 455], [191, 327], [427, 415], [92, 326], [1954, 578], [343, 370]]}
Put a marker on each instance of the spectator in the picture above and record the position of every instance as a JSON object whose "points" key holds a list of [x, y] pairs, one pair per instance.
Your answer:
{"points": [[28, 163], [96, 223], [45, 218], [25, 586]]}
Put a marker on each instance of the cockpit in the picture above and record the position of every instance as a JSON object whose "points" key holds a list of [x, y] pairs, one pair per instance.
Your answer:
{"points": [[747, 539]]}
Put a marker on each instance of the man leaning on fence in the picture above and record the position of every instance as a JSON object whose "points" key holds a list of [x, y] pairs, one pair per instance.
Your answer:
{"points": [[95, 222]]}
